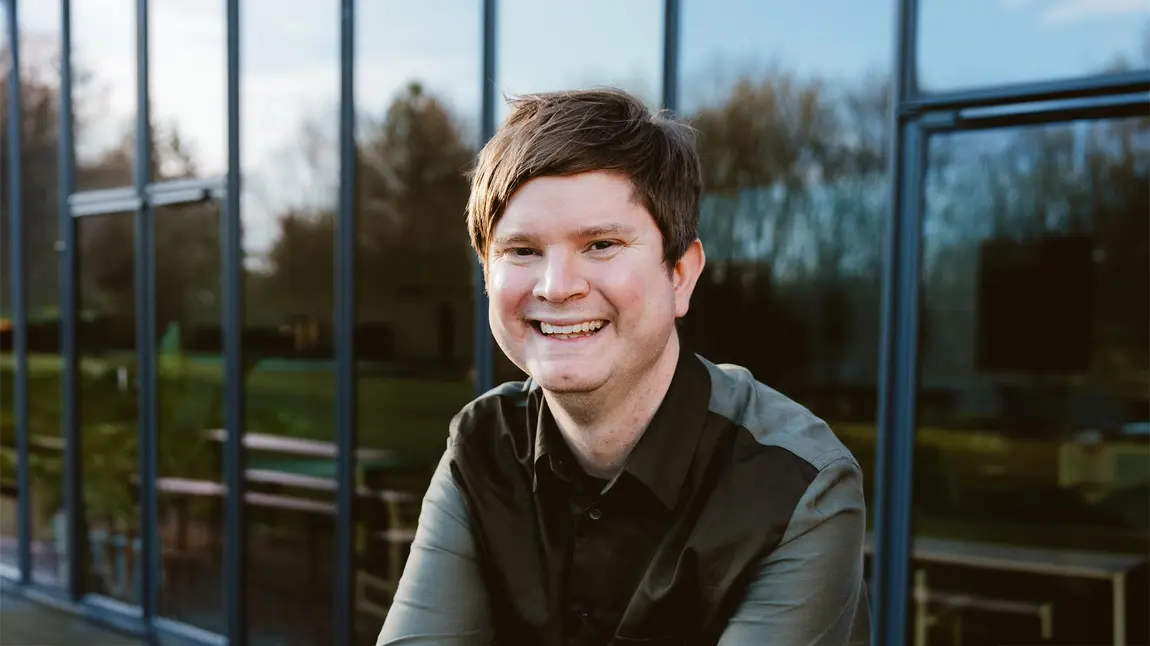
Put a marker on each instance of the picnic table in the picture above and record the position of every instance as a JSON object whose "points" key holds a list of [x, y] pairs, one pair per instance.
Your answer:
{"points": [[1083, 564]]}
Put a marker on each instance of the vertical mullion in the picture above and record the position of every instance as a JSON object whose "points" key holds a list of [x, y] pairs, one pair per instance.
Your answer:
{"points": [[19, 299], [898, 351], [671, 19], [483, 344], [69, 390], [145, 326], [345, 291], [232, 286]]}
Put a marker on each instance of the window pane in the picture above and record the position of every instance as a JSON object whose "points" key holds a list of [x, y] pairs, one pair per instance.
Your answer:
{"points": [[40, 104], [792, 110], [994, 42], [108, 406], [103, 92], [418, 111], [191, 405], [1033, 409], [187, 57], [8, 501], [545, 46], [289, 124]]}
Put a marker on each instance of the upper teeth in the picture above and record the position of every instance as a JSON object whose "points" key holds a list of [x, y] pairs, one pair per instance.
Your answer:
{"points": [[585, 326]]}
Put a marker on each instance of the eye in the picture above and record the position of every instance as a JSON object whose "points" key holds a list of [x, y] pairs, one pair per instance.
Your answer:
{"points": [[602, 245], [521, 251]]}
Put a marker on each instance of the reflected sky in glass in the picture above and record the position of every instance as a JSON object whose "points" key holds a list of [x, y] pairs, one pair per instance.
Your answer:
{"points": [[1021, 40]]}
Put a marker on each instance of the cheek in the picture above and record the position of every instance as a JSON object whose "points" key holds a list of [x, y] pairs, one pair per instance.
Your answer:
{"points": [[508, 288], [639, 295]]}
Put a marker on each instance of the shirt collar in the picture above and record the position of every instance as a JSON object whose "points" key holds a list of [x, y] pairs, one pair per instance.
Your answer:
{"points": [[664, 453]]}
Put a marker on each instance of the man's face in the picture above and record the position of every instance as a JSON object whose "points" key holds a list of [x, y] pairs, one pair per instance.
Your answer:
{"points": [[580, 296]]}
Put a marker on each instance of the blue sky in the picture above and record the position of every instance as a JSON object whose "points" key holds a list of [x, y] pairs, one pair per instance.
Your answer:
{"points": [[290, 60]]}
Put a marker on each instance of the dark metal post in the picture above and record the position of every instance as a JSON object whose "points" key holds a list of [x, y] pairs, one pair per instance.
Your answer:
{"points": [[69, 385], [672, 11], [345, 313], [145, 328], [898, 352], [232, 288], [484, 344], [19, 299]]}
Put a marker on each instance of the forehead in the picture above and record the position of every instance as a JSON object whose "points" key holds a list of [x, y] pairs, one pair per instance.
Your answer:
{"points": [[558, 205]]}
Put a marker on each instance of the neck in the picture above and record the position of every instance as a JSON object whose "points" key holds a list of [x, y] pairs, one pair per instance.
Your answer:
{"points": [[602, 427]]}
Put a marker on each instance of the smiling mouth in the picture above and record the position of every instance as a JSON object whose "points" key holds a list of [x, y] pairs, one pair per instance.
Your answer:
{"points": [[582, 330]]}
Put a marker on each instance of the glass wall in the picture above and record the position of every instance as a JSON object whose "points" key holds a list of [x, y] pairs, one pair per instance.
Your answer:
{"points": [[108, 406], [792, 110], [9, 489], [558, 46], [191, 403], [1033, 407], [289, 120], [103, 91], [996, 42], [40, 105], [417, 115], [186, 57], [1030, 447]]}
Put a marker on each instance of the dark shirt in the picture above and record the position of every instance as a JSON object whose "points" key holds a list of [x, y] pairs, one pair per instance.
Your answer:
{"points": [[737, 519]]}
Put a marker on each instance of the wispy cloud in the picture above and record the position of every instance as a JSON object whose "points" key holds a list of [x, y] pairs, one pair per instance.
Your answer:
{"points": [[1057, 12]]}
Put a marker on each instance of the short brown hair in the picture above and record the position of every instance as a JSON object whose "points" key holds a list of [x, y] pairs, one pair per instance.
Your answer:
{"points": [[603, 129]]}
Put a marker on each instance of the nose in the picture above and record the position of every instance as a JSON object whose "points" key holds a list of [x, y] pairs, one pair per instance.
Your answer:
{"points": [[561, 280]]}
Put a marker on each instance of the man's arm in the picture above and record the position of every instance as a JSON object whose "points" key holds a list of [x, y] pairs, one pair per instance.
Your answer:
{"points": [[809, 590], [441, 597]]}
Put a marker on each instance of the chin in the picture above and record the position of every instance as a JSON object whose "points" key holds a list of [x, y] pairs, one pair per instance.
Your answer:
{"points": [[561, 380]]}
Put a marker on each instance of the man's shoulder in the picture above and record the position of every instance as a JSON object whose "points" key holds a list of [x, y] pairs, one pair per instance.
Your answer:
{"points": [[492, 411], [771, 419]]}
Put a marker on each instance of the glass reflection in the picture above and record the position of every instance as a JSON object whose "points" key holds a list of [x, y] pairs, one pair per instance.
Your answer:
{"points": [[103, 92], [40, 104], [793, 132], [994, 42], [290, 118], [108, 406], [9, 490], [187, 56], [191, 405], [418, 127], [560, 46], [1033, 450]]}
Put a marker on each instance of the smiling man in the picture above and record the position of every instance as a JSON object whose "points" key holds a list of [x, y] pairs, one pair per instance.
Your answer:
{"points": [[629, 491]]}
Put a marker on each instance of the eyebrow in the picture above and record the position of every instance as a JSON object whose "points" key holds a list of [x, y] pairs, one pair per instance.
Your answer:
{"points": [[597, 231]]}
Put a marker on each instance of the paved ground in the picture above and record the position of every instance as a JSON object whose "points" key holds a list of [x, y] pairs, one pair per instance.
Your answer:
{"points": [[25, 623]]}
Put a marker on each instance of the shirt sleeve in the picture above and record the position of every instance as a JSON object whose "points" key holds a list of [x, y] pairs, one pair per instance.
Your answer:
{"points": [[810, 590], [441, 598]]}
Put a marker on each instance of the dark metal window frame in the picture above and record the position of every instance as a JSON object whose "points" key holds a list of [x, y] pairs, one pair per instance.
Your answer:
{"points": [[915, 118]]}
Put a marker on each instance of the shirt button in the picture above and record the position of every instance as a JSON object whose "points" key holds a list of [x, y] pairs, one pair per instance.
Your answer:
{"points": [[595, 514]]}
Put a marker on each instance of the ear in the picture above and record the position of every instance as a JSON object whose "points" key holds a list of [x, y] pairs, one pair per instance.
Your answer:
{"points": [[685, 274]]}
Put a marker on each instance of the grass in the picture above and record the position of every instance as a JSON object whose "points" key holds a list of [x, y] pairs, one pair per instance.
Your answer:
{"points": [[409, 416]]}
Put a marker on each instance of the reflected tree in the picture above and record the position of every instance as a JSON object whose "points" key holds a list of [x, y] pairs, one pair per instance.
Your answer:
{"points": [[106, 250], [414, 259], [792, 220]]}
